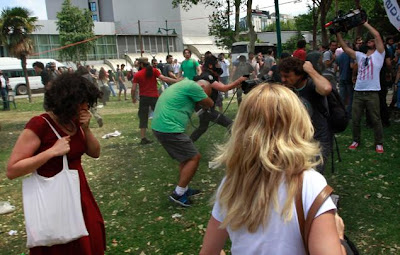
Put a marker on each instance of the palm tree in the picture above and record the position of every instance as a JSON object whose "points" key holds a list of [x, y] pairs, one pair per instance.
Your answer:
{"points": [[15, 26]]}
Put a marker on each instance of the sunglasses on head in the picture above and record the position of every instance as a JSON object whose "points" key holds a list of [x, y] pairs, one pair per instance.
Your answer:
{"points": [[366, 61]]}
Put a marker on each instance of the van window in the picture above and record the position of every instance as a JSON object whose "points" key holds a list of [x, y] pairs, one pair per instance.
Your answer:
{"points": [[262, 49], [239, 49], [18, 73]]}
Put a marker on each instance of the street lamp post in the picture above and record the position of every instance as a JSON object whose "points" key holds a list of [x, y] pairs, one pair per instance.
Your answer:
{"points": [[166, 29]]}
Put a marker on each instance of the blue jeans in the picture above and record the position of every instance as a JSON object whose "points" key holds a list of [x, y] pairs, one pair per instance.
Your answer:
{"points": [[4, 96]]}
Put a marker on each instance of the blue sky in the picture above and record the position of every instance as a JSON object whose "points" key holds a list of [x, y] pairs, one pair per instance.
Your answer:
{"points": [[38, 7]]}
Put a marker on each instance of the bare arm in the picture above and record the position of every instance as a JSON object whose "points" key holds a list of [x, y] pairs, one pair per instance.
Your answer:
{"points": [[198, 70], [324, 237], [378, 40], [322, 85], [345, 47], [206, 103], [222, 87], [133, 92], [214, 239], [167, 79], [22, 159], [172, 75]]}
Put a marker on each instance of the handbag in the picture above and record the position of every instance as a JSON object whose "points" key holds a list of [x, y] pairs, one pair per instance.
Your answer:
{"points": [[52, 207], [305, 223]]}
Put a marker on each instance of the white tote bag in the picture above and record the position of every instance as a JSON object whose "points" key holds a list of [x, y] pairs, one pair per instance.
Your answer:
{"points": [[52, 207]]}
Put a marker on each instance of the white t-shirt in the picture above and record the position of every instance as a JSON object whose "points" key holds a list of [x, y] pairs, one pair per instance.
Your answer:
{"points": [[369, 70], [283, 238], [225, 67]]}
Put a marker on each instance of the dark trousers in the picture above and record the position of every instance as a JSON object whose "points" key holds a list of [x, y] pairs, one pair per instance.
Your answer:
{"points": [[144, 104], [205, 119], [368, 100], [346, 91], [4, 97]]}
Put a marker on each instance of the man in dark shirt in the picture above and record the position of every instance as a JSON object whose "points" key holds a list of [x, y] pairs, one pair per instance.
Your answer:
{"points": [[39, 69], [311, 87], [168, 70]]}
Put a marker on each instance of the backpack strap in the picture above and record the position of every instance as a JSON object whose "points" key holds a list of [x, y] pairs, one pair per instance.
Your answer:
{"points": [[305, 225]]}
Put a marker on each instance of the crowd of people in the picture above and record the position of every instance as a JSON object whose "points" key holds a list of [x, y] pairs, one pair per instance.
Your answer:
{"points": [[279, 141]]}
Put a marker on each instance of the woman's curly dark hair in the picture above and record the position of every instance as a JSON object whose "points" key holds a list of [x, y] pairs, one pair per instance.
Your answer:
{"points": [[67, 92]]}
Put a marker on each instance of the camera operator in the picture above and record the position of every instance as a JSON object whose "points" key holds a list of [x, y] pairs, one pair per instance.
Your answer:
{"points": [[211, 72], [311, 87], [366, 90]]}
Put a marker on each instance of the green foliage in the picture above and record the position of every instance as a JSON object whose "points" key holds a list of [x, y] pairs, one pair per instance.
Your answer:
{"points": [[219, 28], [75, 25], [303, 22], [291, 44], [288, 25], [15, 26]]}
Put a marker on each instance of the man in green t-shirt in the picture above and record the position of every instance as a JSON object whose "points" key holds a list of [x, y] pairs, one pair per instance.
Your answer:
{"points": [[171, 115], [189, 66]]}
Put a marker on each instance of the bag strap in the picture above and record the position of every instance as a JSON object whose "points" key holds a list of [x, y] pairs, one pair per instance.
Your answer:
{"points": [[65, 161], [305, 225]]}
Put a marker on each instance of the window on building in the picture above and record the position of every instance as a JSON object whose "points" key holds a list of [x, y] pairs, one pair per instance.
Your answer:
{"points": [[92, 6], [95, 18]]}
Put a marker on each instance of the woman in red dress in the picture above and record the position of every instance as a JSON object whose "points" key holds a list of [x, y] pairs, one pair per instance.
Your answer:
{"points": [[37, 148]]}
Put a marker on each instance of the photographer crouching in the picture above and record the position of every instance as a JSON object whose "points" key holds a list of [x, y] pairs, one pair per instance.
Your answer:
{"points": [[211, 72], [311, 88]]}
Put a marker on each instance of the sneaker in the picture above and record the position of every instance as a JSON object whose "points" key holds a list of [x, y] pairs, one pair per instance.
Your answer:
{"points": [[192, 192], [145, 141], [353, 146], [180, 200], [379, 148]]}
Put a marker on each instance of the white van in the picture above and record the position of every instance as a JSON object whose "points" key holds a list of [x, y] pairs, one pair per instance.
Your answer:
{"points": [[242, 48], [12, 69]]}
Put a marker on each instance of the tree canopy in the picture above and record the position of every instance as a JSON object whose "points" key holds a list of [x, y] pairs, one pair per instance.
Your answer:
{"points": [[74, 25]]}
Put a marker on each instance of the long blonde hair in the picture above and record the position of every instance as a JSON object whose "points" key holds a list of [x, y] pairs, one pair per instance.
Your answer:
{"points": [[272, 141]]}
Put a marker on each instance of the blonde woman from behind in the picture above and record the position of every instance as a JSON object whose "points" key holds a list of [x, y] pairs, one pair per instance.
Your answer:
{"points": [[271, 147]]}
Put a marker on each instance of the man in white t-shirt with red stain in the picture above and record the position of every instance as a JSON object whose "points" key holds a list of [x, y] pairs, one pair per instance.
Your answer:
{"points": [[366, 90]]}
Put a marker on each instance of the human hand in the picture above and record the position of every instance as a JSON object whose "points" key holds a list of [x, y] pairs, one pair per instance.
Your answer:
{"points": [[308, 67], [84, 119], [339, 226], [61, 147]]}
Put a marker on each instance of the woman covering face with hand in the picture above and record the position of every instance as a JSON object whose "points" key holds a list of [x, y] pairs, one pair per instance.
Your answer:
{"points": [[38, 149]]}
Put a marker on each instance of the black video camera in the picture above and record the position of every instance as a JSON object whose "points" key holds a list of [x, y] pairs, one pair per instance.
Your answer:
{"points": [[250, 84], [345, 22]]}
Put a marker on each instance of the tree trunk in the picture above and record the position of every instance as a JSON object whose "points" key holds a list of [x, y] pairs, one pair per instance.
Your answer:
{"points": [[324, 7], [315, 14], [237, 13], [252, 34], [228, 12], [23, 64]]}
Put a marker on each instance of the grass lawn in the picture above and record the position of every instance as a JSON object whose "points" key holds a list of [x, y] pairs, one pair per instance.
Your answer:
{"points": [[131, 183]]}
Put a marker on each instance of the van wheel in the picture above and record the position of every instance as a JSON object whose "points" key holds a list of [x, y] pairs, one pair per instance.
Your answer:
{"points": [[22, 90]]}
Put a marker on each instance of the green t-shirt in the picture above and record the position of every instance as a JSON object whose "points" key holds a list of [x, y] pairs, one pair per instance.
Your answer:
{"points": [[189, 68], [175, 106]]}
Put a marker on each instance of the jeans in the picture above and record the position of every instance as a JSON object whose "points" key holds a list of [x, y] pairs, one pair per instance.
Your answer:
{"points": [[205, 118], [368, 100], [346, 90], [4, 96], [110, 85]]}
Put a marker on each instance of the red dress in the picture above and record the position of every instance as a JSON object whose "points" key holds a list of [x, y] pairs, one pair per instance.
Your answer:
{"points": [[94, 244]]}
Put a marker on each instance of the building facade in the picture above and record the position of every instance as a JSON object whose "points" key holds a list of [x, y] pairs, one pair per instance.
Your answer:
{"points": [[121, 23]]}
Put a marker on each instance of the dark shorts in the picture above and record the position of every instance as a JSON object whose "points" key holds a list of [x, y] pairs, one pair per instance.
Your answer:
{"points": [[144, 104], [178, 145], [121, 86], [218, 102]]}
